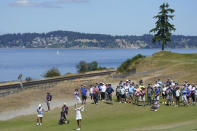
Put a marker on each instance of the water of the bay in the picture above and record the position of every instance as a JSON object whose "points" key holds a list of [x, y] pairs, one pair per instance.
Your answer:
{"points": [[35, 62]]}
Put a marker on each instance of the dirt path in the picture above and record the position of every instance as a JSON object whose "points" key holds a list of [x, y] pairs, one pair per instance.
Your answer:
{"points": [[7, 115]]}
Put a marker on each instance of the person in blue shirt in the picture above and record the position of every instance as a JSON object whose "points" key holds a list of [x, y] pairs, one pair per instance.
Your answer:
{"points": [[109, 92], [184, 95], [157, 94], [188, 95], [131, 93], [83, 94]]}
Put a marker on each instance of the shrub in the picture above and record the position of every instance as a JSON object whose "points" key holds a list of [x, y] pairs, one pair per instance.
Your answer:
{"points": [[52, 72], [92, 66], [85, 67], [28, 79], [82, 67], [129, 64]]}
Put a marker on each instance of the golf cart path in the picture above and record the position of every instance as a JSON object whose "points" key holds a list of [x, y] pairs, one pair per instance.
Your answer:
{"points": [[7, 115]]}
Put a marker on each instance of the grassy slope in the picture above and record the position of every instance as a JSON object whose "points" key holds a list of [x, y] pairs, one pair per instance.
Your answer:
{"points": [[179, 67], [117, 117]]}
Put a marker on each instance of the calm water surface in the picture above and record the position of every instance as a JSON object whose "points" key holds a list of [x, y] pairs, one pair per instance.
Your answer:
{"points": [[35, 62]]}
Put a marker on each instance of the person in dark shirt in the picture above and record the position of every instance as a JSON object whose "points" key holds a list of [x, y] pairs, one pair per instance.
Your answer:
{"points": [[149, 94], [48, 100], [118, 93], [109, 92]]}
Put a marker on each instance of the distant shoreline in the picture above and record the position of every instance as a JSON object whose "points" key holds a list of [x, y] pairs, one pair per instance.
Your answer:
{"points": [[96, 48]]}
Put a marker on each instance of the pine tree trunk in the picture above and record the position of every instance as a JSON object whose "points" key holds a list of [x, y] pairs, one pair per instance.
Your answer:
{"points": [[163, 44], [162, 47]]}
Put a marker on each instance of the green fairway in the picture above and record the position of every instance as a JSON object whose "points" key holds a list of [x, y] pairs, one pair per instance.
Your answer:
{"points": [[117, 117]]}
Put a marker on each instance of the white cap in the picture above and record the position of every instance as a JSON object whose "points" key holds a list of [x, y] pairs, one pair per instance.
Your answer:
{"points": [[39, 105]]}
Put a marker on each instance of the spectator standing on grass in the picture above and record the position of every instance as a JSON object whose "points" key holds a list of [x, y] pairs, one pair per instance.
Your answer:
{"points": [[164, 94], [95, 94], [99, 87], [126, 86], [122, 93], [137, 94], [118, 93], [76, 96], [109, 92], [91, 92], [142, 94], [184, 95], [188, 95], [149, 94], [48, 100], [103, 90], [40, 111], [83, 94], [170, 95], [178, 93], [157, 93], [131, 93]]}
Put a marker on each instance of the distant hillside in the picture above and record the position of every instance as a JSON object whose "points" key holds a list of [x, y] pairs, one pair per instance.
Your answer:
{"points": [[68, 39]]}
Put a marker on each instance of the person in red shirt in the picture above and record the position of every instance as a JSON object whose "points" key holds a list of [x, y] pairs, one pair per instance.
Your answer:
{"points": [[95, 94]]}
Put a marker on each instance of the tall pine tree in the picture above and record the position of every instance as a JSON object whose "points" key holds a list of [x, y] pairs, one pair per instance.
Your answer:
{"points": [[163, 29]]}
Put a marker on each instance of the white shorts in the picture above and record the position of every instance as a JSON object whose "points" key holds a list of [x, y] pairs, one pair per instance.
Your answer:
{"points": [[40, 115], [78, 118]]}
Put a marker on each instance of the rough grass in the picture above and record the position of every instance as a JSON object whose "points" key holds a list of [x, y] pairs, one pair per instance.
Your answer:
{"points": [[117, 117]]}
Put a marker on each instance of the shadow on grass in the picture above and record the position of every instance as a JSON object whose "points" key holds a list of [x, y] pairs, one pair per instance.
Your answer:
{"points": [[108, 102]]}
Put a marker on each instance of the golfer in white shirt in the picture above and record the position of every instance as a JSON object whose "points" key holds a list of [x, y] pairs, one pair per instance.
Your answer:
{"points": [[78, 115]]}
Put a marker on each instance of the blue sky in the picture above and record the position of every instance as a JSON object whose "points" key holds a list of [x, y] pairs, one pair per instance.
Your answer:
{"points": [[116, 17]]}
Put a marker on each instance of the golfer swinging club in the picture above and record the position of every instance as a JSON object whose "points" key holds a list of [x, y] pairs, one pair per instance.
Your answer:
{"points": [[78, 115]]}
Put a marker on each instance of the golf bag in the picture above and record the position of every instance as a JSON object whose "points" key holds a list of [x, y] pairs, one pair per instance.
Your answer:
{"points": [[63, 119]]}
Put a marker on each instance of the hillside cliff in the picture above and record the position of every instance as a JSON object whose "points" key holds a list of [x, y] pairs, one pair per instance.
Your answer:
{"points": [[69, 39]]}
